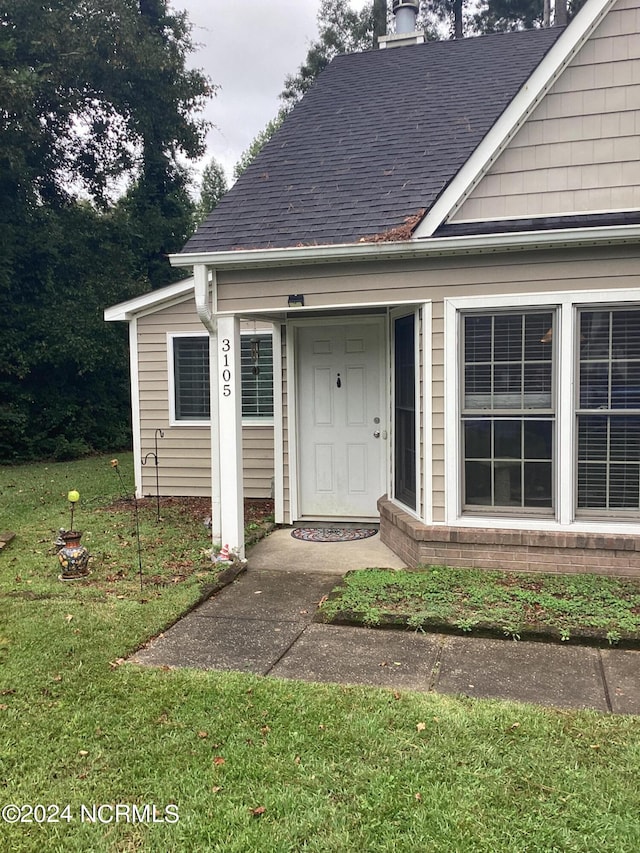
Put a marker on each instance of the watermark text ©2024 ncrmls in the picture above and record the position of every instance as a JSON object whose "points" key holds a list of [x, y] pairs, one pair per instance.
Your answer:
{"points": [[102, 813]]}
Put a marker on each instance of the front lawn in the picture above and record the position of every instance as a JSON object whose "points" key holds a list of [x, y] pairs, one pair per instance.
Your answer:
{"points": [[560, 607], [253, 765]]}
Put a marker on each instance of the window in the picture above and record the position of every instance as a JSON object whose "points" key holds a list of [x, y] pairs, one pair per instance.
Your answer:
{"points": [[405, 410], [508, 414], [257, 376], [608, 410], [191, 377]]}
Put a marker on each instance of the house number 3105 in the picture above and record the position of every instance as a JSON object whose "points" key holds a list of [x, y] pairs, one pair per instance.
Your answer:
{"points": [[226, 370]]}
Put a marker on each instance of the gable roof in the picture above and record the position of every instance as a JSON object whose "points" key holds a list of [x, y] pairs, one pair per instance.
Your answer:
{"points": [[373, 144]]}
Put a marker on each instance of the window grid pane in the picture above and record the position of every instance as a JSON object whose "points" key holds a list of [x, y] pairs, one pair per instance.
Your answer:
{"points": [[256, 355], [191, 375], [508, 372], [508, 462], [507, 361], [609, 410]]}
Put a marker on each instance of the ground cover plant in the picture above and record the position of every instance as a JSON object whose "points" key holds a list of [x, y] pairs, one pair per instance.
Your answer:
{"points": [[563, 607], [254, 764]]}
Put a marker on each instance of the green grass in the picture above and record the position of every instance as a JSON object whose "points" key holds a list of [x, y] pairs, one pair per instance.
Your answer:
{"points": [[567, 606], [332, 768]]}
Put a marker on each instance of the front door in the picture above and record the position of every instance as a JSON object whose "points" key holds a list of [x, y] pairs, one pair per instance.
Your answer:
{"points": [[341, 427]]}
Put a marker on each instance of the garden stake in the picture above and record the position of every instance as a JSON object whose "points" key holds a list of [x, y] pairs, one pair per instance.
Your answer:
{"points": [[154, 456], [114, 464], [73, 497]]}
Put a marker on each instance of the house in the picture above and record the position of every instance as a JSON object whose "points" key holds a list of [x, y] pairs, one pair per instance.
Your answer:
{"points": [[442, 245]]}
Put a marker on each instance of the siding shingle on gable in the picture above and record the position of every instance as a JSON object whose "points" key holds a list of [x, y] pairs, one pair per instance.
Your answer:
{"points": [[376, 139]]}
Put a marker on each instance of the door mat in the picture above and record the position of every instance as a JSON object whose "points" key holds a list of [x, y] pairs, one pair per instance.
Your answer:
{"points": [[332, 534]]}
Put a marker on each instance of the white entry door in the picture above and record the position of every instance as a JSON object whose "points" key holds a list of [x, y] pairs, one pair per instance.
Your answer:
{"points": [[341, 427]]}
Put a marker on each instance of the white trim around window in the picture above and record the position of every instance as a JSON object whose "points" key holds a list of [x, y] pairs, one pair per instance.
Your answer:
{"points": [[174, 421], [566, 306]]}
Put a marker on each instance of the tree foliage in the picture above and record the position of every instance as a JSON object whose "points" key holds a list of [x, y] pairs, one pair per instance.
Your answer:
{"points": [[90, 89], [95, 100], [340, 30], [212, 187], [260, 140]]}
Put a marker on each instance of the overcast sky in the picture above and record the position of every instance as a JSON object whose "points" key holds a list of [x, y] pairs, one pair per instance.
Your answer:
{"points": [[247, 48]]}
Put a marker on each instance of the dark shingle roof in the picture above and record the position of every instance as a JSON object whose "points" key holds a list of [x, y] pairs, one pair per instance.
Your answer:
{"points": [[376, 139]]}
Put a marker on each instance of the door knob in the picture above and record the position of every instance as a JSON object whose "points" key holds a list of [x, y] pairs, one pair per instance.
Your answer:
{"points": [[376, 433]]}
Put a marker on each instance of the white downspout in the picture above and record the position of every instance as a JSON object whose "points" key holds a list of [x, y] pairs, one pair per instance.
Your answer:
{"points": [[208, 319]]}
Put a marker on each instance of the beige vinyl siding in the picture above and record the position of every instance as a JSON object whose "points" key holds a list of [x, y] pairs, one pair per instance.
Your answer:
{"points": [[257, 449], [184, 453], [420, 280], [578, 152], [548, 271]]}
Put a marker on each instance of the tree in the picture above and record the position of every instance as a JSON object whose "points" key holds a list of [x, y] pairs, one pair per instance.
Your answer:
{"points": [[90, 90], [494, 16], [260, 140], [379, 20], [212, 187], [341, 30], [506, 15], [95, 97]]}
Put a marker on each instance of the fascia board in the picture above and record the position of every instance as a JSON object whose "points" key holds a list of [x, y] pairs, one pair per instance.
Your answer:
{"points": [[412, 249], [132, 307], [514, 116]]}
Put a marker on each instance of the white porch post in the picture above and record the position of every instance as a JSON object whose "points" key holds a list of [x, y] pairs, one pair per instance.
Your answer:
{"points": [[207, 317], [230, 432]]}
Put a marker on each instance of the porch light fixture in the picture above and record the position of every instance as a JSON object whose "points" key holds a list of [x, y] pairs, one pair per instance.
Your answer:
{"points": [[296, 300]]}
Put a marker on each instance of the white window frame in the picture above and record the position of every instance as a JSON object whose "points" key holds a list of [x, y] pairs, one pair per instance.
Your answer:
{"points": [[418, 317], [517, 413], [595, 512], [253, 420], [174, 421], [566, 303]]}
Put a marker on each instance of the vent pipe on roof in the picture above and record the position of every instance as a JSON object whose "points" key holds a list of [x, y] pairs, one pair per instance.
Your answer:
{"points": [[406, 32], [406, 12]]}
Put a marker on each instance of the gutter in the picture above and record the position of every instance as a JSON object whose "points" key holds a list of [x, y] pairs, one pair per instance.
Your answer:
{"points": [[412, 249], [201, 295]]}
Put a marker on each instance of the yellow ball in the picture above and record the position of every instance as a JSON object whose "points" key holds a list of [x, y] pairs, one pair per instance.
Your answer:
{"points": [[73, 496]]}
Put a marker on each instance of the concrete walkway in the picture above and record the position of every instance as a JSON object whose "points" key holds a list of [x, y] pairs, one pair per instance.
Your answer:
{"points": [[262, 623]]}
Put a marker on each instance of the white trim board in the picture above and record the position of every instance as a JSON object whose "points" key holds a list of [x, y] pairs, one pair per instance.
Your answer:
{"points": [[135, 405], [427, 410], [141, 304], [278, 426], [520, 217], [412, 249]]}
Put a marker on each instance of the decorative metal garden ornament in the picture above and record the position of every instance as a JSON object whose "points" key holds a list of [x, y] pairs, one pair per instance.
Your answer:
{"points": [[154, 456], [115, 466], [72, 556]]}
